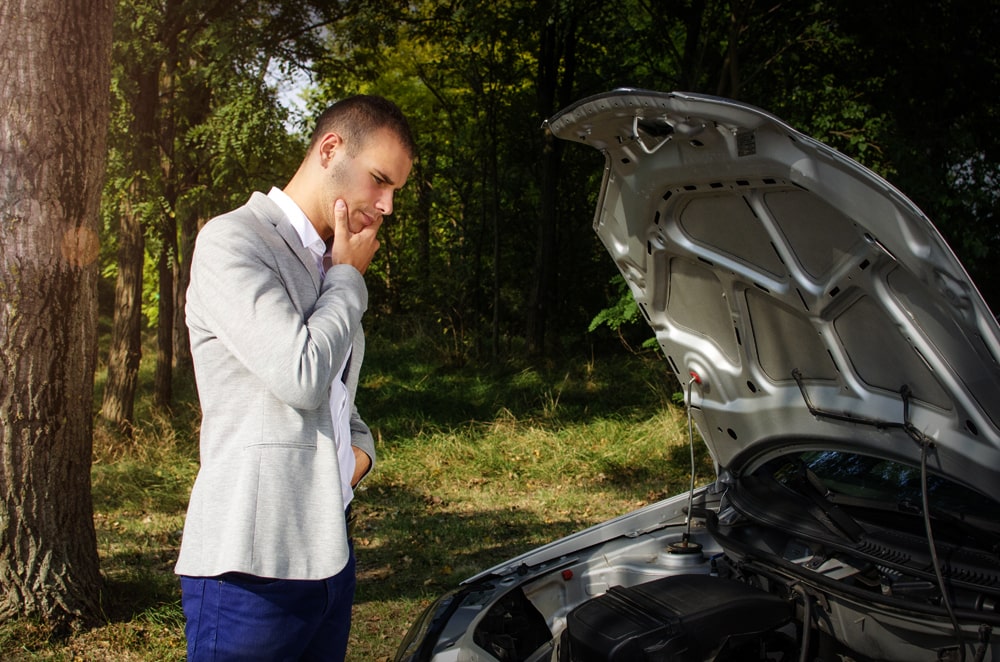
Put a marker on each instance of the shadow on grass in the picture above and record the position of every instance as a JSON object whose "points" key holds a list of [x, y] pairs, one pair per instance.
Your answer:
{"points": [[402, 391], [408, 547], [412, 546], [138, 551], [148, 590], [414, 549], [666, 476]]}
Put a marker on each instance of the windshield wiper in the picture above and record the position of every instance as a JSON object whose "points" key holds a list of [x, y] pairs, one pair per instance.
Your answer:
{"points": [[809, 485], [982, 532]]}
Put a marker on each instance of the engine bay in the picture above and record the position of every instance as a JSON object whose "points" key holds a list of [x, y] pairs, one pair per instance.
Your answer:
{"points": [[730, 588]]}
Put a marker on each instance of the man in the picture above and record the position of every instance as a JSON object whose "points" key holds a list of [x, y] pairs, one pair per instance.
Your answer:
{"points": [[274, 313]]}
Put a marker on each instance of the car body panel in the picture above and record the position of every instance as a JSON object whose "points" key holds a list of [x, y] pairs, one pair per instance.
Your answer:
{"points": [[757, 253]]}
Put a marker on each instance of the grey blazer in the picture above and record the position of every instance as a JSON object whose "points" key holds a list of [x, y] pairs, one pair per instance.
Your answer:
{"points": [[267, 337]]}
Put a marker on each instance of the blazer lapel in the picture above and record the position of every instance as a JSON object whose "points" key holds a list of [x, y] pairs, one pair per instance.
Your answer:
{"points": [[268, 211]]}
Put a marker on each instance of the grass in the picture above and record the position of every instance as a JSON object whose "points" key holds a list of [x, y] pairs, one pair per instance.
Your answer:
{"points": [[476, 464]]}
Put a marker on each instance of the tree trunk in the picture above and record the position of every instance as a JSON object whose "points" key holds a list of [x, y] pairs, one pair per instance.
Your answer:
{"points": [[167, 259], [126, 332], [423, 214], [166, 267], [55, 68], [493, 195], [198, 100], [117, 405], [163, 376], [556, 53], [182, 276]]}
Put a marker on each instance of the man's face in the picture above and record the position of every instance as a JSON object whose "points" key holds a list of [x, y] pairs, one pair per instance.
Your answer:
{"points": [[368, 180]]}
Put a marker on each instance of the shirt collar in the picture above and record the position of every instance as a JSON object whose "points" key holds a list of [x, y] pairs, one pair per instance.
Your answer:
{"points": [[307, 233]]}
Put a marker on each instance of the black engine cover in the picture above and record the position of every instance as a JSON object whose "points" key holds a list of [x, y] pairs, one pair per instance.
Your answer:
{"points": [[675, 619]]}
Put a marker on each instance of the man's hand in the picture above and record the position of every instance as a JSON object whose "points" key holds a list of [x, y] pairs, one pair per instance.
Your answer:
{"points": [[354, 248], [362, 464]]}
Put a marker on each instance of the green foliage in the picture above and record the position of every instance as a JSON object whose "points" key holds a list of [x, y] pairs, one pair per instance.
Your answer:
{"points": [[471, 76], [244, 144], [405, 390], [217, 131], [462, 242], [623, 309], [622, 315], [477, 79]]}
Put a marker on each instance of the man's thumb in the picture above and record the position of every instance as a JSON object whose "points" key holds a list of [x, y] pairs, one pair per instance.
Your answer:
{"points": [[340, 212]]}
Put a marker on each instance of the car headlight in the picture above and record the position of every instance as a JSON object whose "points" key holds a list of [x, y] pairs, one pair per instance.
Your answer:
{"points": [[418, 644]]}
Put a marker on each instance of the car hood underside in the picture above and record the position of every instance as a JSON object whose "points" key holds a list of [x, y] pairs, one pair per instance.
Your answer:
{"points": [[803, 299]]}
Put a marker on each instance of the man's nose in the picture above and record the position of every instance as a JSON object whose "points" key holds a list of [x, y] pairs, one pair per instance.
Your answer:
{"points": [[384, 203]]}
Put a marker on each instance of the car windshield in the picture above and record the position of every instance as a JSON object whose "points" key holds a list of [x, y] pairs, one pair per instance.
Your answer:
{"points": [[862, 480]]}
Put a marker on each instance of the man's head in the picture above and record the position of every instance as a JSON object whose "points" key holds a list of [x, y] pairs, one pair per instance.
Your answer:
{"points": [[361, 152], [357, 118]]}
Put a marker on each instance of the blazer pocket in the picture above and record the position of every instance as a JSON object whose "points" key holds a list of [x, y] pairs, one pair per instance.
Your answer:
{"points": [[288, 428]]}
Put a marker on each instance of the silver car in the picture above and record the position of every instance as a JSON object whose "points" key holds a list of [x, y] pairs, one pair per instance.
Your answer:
{"points": [[843, 371]]}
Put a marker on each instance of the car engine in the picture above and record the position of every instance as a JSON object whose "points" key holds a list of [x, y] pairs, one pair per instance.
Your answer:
{"points": [[680, 618]]}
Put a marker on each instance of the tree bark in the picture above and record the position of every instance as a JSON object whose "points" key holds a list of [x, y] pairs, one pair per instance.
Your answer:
{"points": [[55, 75], [126, 331], [198, 100], [163, 376], [168, 259], [182, 277]]}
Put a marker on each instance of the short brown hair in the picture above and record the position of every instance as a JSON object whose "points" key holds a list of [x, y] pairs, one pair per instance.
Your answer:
{"points": [[357, 118]]}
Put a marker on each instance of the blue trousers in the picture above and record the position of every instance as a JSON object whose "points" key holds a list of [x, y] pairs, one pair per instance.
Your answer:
{"points": [[239, 617]]}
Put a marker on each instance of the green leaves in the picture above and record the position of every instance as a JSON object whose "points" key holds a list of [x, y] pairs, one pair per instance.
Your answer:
{"points": [[623, 309], [492, 233]]}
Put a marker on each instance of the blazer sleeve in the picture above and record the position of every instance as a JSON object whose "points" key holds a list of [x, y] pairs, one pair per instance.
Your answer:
{"points": [[250, 292]]}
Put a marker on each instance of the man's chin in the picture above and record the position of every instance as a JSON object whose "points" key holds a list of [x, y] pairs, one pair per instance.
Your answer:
{"points": [[359, 223]]}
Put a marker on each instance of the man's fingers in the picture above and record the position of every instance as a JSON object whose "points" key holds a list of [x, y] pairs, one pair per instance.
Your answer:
{"points": [[354, 248]]}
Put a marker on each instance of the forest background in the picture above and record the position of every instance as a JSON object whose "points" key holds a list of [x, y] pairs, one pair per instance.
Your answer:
{"points": [[490, 252], [492, 245]]}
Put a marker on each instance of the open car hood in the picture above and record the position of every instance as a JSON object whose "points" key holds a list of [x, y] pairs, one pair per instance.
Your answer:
{"points": [[800, 298]]}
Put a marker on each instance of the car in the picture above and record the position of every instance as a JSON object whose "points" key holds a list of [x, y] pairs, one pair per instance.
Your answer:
{"points": [[841, 368]]}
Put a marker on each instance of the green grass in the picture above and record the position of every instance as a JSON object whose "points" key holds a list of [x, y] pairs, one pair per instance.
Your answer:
{"points": [[477, 463]]}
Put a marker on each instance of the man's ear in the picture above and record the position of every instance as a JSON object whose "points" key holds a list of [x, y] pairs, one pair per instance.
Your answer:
{"points": [[328, 146]]}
